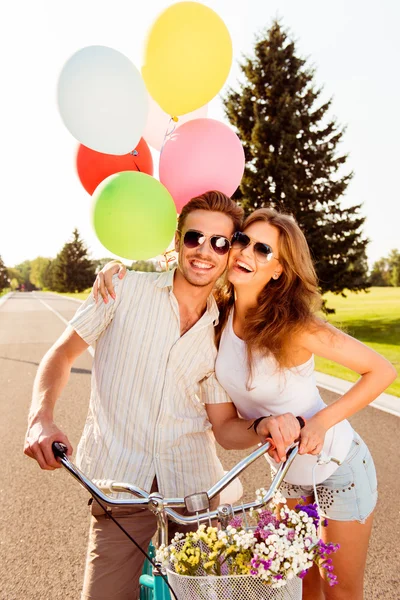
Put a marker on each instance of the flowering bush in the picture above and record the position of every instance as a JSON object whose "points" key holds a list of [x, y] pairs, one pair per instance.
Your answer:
{"points": [[275, 549]]}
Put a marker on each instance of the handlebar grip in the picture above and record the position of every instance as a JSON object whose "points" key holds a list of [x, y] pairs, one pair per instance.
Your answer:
{"points": [[105, 485], [59, 449]]}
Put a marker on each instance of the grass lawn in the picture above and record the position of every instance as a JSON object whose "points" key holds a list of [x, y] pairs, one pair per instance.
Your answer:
{"points": [[372, 318]]}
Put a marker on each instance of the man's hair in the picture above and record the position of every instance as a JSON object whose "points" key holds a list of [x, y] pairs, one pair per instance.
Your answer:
{"points": [[216, 202]]}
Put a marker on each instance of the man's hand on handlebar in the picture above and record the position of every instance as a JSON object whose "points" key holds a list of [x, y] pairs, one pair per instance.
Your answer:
{"points": [[283, 430], [38, 441]]}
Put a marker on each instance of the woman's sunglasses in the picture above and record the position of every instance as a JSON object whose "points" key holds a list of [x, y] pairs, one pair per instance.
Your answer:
{"points": [[262, 252], [219, 243]]}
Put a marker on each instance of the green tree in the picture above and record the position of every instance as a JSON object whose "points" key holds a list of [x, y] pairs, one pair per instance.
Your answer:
{"points": [[380, 275], [14, 284], [292, 163], [395, 276], [147, 266], [39, 267], [394, 268], [47, 276], [4, 279], [72, 271], [24, 270], [386, 270], [15, 277]]}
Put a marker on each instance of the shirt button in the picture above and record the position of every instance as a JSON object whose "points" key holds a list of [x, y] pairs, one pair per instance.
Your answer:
{"points": [[157, 456]]}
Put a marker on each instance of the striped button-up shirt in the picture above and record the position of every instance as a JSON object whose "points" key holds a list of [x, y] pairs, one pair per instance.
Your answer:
{"points": [[149, 385]]}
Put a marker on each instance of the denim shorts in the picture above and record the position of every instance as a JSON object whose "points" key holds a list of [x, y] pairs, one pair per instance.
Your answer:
{"points": [[350, 493]]}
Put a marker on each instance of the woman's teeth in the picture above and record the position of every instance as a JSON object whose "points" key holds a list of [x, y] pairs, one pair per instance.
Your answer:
{"points": [[244, 267]]}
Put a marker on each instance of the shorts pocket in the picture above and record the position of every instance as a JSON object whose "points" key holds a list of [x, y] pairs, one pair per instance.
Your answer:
{"points": [[369, 466], [355, 448]]}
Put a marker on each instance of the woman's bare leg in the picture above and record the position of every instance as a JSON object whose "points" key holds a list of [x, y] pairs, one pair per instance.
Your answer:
{"points": [[349, 561]]}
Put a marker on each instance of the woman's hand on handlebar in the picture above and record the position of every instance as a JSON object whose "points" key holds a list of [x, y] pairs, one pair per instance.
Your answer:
{"points": [[283, 430], [103, 284], [312, 437], [38, 443]]}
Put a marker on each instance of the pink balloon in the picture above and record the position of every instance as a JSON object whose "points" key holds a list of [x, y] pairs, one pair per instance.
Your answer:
{"points": [[200, 156], [158, 122]]}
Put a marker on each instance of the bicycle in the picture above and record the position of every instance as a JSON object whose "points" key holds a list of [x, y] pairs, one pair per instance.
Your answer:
{"points": [[153, 581]]}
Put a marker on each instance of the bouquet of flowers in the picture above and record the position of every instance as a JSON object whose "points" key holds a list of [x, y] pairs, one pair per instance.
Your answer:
{"points": [[282, 544]]}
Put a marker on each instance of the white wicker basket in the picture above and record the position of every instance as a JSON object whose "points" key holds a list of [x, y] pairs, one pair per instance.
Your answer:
{"points": [[231, 587]]}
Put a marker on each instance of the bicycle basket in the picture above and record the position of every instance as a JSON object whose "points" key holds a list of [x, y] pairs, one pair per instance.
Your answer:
{"points": [[231, 587]]}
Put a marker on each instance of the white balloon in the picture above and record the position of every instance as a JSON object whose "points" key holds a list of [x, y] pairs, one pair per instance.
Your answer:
{"points": [[159, 122], [102, 100]]}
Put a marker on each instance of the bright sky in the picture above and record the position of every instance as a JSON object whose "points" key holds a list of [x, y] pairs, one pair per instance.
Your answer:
{"points": [[353, 45]]}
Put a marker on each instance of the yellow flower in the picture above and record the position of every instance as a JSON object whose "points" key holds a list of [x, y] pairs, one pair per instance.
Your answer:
{"points": [[181, 569], [219, 544], [212, 533]]}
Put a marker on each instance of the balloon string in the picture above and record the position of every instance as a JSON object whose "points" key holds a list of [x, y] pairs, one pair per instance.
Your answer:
{"points": [[135, 153], [169, 132], [168, 256]]}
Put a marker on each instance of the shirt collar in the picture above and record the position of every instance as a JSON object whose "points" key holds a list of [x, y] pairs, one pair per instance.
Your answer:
{"points": [[166, 279]]}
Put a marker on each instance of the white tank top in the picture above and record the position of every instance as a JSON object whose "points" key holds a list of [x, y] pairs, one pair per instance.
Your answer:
{"points": [[275, 391]]}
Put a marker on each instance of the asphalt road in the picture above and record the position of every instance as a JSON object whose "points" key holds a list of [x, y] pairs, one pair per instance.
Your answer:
{"points": [[44, 515]]}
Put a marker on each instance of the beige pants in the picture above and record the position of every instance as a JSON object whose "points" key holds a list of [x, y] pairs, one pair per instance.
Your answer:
{"points": [[113, 563]]}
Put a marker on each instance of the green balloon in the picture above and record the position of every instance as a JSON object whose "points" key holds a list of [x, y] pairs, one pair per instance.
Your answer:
{"points": [[134, 215]]}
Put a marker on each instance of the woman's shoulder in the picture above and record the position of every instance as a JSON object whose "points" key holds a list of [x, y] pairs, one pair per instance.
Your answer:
{"points": [[317, 331]]}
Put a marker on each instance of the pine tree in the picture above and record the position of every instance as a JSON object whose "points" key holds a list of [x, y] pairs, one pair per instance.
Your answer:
{"points": [[72, 271], [292, 163], [4, 281]]}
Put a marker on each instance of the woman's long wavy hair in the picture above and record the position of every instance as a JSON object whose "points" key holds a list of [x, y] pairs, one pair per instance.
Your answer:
{"points": [[286, 305]]}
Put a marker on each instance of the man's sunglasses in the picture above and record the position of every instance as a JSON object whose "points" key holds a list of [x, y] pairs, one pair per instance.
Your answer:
{"points": [[219, 243], [262, 252]]}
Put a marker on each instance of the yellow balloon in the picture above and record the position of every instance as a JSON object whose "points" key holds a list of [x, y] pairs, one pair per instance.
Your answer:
{"points": [[187, 57]]}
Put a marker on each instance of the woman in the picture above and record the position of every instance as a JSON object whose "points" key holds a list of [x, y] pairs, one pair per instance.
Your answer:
{"points": [[268, 335]]}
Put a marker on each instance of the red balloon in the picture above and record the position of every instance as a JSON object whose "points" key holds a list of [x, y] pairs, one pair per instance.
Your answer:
{"points": [[93, 167]]}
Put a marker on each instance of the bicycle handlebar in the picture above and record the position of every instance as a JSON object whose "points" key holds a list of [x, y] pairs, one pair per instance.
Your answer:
{"points": [[155, 500], [195, 503], [60, 453]]}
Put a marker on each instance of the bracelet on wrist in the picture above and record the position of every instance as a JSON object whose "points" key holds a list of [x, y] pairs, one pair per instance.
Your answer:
{"points": [[256, 423]]}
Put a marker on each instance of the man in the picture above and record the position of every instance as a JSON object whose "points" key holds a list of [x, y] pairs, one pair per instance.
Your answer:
{"points": [[153, 374]]}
